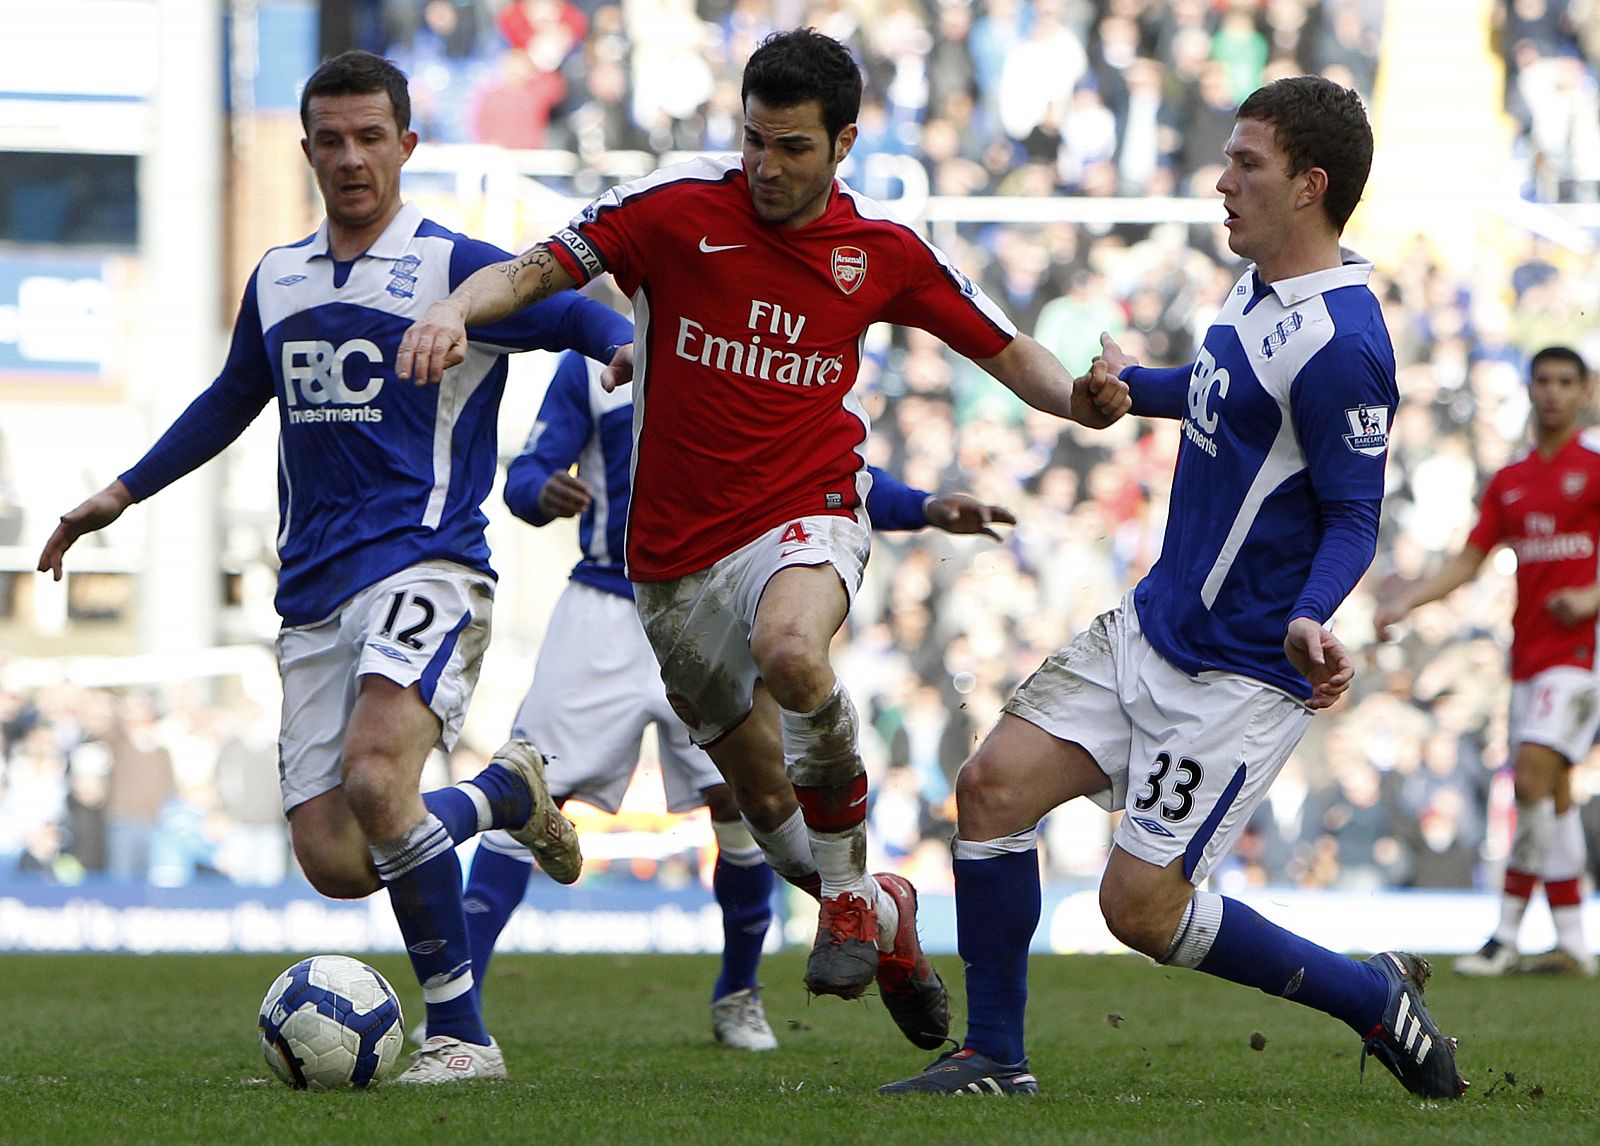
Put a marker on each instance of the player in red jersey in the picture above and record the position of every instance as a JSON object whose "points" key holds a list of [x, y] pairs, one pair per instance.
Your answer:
{"points": [[753, 283], [1546, 506]]}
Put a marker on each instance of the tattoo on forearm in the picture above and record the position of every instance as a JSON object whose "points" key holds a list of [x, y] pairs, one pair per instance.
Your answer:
{"points": [[538, 286]]}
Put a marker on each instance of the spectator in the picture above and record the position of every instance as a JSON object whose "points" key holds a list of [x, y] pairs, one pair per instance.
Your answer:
{"points": [[141, 782]]}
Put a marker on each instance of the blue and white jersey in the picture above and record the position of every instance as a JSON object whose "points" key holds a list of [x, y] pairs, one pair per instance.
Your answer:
{"points": [[580, 423], [374, 474], [1285, 417]]}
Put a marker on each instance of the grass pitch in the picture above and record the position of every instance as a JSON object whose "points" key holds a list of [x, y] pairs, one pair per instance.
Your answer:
{"points": [[603, 1049]]}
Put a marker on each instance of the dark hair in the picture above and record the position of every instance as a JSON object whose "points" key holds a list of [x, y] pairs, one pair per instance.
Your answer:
{"points": [[358, 73], [793, 67], [1560, 354], [1319, 124]]}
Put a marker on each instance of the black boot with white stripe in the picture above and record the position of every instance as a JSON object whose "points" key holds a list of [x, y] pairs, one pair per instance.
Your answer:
{"points": [[1408, 1041]]}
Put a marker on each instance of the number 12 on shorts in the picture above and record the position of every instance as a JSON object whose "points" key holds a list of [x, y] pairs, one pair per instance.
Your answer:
{"points": [[408, 635]]}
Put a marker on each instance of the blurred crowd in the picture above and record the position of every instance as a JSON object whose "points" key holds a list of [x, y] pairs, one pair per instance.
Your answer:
{"points": [[1094, 97], [1083, 97], [1403, 784]]}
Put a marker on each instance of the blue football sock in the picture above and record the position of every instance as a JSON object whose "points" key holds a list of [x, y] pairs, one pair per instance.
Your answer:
{"points": [[455, 811], [505, 796], [423, 876], [1256, 952], [997, 910], [495, 886], [745, 896]]}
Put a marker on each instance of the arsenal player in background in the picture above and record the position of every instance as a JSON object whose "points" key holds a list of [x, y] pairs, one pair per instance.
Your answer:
{"points": [[753, 282], [1546, 506]]}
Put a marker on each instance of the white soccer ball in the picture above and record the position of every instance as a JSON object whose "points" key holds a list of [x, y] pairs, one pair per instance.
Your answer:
{"points": [[331, 1022]]}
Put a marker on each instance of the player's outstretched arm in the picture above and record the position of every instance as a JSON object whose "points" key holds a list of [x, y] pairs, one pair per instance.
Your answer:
{"points": [[438, 340], [1455, 573], [1321, 658], [96, 512], [1574, 605], [963, 513], [1033, 374]]}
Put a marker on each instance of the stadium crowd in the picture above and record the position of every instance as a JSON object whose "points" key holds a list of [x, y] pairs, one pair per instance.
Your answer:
{"points": [[1403, 784]]}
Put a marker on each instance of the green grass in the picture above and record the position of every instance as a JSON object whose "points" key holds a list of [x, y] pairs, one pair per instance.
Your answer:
{"points": [[113, 1049]]}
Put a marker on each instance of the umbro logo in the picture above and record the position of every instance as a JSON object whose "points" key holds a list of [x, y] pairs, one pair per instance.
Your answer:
{"points": [[290, 280], [707, 248], [1154, 827], [392, 653]]}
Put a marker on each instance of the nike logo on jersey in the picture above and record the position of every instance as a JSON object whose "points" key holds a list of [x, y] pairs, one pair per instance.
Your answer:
{"points": [[1512, 495], [707, 248], [789, 553]]}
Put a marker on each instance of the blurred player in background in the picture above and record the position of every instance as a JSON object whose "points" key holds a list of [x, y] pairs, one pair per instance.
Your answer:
{"points": [[1546, 506], [753, 284], [1181, 705], [385, 587], [595, 687]]}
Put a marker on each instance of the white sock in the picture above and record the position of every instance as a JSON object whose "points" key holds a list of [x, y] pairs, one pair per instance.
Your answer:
{"points": [[840, 858], [787, 848], [735, 843]]}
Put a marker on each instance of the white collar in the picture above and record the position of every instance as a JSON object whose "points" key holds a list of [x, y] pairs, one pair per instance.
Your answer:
{"points": [[1353, 270], [392, 244]]}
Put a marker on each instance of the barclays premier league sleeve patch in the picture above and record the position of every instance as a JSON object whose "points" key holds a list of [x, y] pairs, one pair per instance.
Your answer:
{"points": [[1369, 430]]}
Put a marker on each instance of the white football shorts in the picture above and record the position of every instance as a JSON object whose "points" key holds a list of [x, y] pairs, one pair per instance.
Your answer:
{"points": [[1189, 758], [595, 689], [699, 625], [426, 626], [1558, 708]]}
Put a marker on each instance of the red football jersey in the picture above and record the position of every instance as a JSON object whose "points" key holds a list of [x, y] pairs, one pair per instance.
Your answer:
{"points": [[747, 343], [1548, 511]]}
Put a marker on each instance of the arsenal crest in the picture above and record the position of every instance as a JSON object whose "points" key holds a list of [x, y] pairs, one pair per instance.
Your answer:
{"points": [[1573, 483], [849, 268]]}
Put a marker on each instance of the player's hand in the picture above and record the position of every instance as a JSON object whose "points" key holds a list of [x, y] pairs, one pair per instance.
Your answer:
{"points": [[1321, 658], [963, 513], [1099, 397], [1116, 359], [97, 512], [1389, 614], [563, 495], [432, 344], [619, 371], [1574, 604]]}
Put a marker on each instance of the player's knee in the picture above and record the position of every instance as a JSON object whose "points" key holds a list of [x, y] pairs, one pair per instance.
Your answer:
{"points": [[1134, 923], [1144, 911], [720, 802], [797, 675], [334, 873], [367, 786], [989, 800]]}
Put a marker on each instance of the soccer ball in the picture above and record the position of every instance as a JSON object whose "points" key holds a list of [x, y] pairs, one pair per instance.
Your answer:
{"points": [[331, 1022]]}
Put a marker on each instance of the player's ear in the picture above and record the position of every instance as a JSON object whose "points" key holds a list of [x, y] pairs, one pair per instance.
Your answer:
{"points": [[845, 141], [1314, 188], [408, 144]]}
